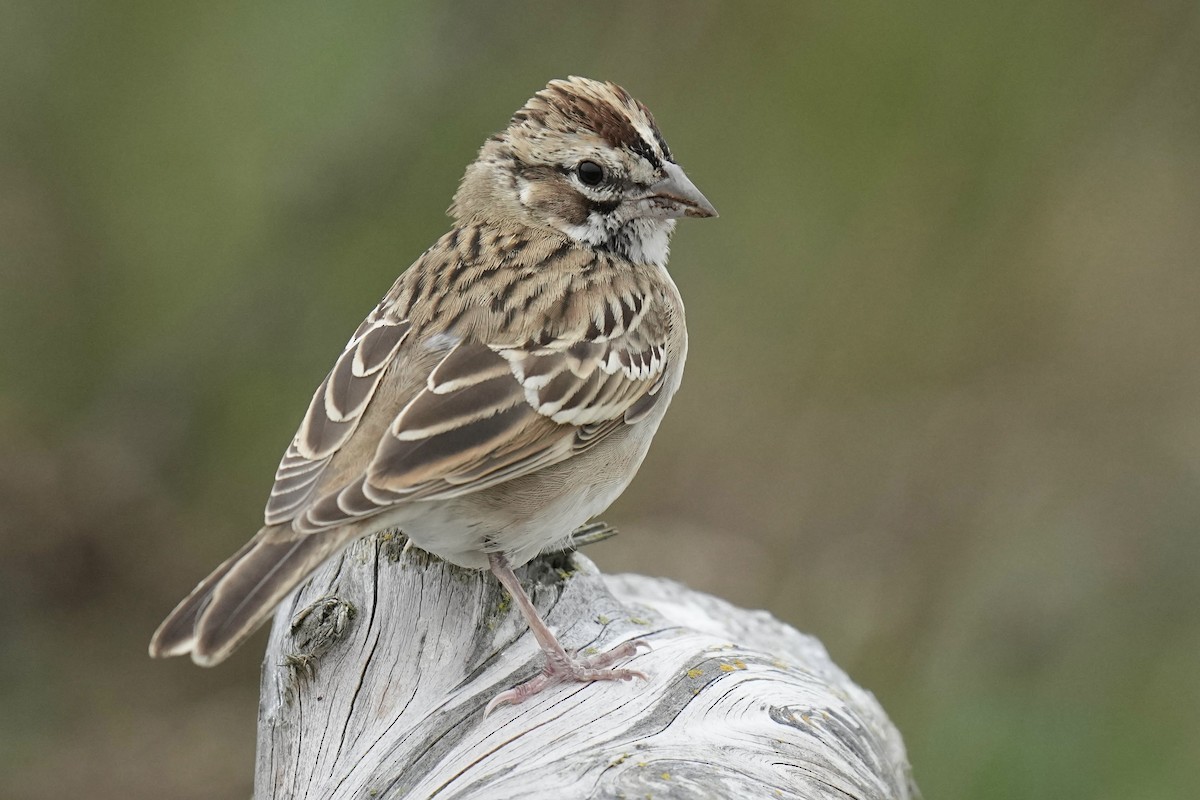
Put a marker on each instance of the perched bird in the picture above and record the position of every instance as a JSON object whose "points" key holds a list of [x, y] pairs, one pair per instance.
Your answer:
{"points": [[506, 388]]}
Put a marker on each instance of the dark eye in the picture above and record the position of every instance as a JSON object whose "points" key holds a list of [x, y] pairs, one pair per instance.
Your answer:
{"points": [[590, 173]]}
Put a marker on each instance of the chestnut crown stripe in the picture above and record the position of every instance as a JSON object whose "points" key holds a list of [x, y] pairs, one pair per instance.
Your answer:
{"points": [[570, 107]]}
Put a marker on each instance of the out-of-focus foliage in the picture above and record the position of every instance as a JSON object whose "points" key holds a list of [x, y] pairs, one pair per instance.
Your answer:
{"points": [[942, 407]]}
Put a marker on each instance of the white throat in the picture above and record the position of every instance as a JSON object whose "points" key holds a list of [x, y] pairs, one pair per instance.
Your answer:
{"points": [[641, 240]]}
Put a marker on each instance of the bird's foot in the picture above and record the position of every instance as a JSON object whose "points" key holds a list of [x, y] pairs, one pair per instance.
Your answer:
{"points": [[571, 669]]}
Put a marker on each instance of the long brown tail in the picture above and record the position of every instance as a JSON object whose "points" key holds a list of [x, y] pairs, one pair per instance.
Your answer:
{"points": [[232, 602]]}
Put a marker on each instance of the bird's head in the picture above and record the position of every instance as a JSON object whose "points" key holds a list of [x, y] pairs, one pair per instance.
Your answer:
{"points": [[586, 159]]}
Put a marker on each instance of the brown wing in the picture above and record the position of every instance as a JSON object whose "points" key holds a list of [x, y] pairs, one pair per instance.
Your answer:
{"points": [[334, 413], [491, 412]]}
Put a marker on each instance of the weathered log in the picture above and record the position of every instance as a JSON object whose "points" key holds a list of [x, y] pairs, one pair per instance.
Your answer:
{"points": [[378, 671]]}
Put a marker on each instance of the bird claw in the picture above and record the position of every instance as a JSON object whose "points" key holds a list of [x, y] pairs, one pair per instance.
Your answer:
{"points": [[573, 670]]}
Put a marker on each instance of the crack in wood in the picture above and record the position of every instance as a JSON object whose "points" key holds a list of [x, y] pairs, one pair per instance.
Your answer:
{"points": [[737, 704]]}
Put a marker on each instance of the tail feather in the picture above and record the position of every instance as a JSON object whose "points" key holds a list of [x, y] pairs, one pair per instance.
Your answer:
{"points": [[177, 633], [232, 602]]}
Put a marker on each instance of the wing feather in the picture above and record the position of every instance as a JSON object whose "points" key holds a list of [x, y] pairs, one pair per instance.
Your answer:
{"points": [[333, 414], [489, 413]]}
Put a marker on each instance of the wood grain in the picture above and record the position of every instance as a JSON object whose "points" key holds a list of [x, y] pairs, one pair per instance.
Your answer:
{"points": [[378, 670]]}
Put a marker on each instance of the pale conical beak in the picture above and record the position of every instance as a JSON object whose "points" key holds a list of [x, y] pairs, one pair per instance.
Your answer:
{"points": [[676, 196]]}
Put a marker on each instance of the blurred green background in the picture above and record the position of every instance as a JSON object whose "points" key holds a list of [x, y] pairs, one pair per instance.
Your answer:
{"points": [[942, 407]]}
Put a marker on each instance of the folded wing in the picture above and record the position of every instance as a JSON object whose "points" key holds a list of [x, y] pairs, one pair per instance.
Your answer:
{"points": [[493, 411], [333, 415]]}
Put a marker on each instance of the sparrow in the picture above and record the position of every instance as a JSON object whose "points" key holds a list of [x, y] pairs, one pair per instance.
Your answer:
{"points": [[506, 388]]}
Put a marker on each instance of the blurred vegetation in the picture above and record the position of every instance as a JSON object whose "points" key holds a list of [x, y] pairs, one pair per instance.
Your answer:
{"points": [[942, 402]]}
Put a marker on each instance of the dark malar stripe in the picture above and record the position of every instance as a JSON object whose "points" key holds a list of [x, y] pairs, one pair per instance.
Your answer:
{"points": [[604, 206]]}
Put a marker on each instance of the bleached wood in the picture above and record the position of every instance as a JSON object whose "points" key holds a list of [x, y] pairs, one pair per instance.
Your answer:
{"points": [[378, 671]]}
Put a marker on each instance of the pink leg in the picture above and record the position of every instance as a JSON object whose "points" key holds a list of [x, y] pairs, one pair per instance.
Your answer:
{"points": [[561, 666]]}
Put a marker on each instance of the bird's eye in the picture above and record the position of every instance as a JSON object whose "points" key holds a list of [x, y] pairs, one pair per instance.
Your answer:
{"points": [[590, 173]]}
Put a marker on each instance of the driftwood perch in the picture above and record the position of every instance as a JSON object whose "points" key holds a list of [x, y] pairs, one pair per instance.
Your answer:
{"points": [[378, 671]]}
